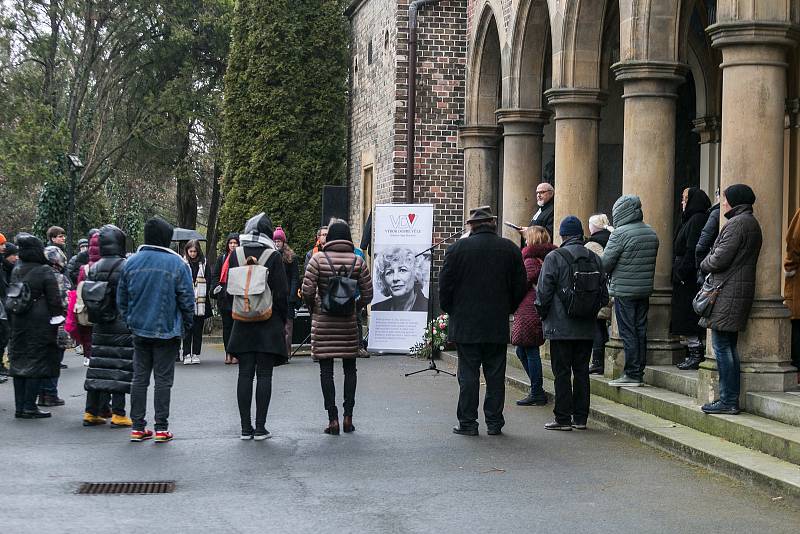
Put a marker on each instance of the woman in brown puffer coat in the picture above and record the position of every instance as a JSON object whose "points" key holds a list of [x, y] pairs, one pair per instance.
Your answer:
{"points": [[336, 336]]}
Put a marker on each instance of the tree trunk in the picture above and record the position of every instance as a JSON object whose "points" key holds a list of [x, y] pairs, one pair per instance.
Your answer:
{"points": [[186, 196], [213, 211]]}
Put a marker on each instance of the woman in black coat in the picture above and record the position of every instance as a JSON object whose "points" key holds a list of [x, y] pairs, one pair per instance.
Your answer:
{"points": [[260, 346], [685, 286], [34, 352], [193, 338], [224, 301], [110, 369]]}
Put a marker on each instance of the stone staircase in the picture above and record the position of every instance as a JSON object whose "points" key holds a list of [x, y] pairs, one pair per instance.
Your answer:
{"points": [[761, 446]]}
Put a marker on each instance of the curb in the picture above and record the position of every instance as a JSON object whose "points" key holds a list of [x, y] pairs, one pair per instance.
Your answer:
{"points": [[755, 468]]}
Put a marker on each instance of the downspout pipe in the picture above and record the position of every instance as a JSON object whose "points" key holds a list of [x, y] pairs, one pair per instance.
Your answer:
{"points": [[413, 9]]}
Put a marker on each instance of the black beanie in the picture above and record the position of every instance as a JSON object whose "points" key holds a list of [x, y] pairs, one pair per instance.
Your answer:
{"points": [[157, 232], [338, 231], [738, 194]]}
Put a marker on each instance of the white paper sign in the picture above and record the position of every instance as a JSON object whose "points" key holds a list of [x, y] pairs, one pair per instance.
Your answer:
{"points": [[400, 278]]}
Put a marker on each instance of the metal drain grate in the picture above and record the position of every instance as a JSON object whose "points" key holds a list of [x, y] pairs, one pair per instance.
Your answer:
{"points": [[126, 488]]}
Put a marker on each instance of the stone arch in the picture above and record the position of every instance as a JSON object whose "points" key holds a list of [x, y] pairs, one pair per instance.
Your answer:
{"points": [[486, 73], [531, 49], [650, 29], [577, 43]]}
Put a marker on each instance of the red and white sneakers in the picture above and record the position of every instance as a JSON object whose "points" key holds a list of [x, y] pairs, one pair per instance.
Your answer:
{"points": [[163, 436], [141, 435]]}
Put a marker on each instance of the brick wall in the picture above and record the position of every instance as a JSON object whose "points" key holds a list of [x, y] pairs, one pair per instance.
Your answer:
{"points": [[441, 87]]}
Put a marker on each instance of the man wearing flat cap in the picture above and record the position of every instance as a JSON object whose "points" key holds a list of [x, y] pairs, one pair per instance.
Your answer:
{"points": [[481, 283]]}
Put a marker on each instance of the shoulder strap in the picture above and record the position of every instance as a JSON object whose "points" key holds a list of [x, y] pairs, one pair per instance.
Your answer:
{"points": [[241, 260], [265, 256], [328, 259], [353, 267]]}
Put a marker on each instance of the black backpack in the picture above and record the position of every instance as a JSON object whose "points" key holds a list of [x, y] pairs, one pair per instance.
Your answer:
{"points": [[100, 299], [340, 298], [586, 293], [18, 298]]}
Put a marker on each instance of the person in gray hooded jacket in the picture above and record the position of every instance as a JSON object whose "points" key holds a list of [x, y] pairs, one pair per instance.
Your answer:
{"points": [[629, 260]]}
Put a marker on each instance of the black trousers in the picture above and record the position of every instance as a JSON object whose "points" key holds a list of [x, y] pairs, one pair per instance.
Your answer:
{"points": [[254, 365], [632, 323], [156, 357], [570, 362], [329, 388], [5, 332], [100, 402], [471, 356], [796, 343], [25, 391], [193, 339], [227, 326]]}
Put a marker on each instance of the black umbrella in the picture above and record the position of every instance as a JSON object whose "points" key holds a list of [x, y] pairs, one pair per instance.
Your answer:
{"points": [[184, 234]]}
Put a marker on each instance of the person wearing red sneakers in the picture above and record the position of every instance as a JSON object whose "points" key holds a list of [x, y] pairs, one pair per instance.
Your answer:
{"points": [[156, 300]]}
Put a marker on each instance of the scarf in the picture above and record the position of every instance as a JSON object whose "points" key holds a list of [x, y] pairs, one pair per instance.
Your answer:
{"points": [[223, 272], [200, 291]]}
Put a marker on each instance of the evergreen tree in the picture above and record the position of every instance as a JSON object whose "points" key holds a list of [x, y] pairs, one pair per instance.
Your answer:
{"points": [[285, 112]]}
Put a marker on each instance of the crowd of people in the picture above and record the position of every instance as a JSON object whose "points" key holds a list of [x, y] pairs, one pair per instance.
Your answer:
{"points": [[134, 315]]}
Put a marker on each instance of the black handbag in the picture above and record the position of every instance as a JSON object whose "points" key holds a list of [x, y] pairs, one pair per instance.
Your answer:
{"points": [[703, 303], [18, 298]]}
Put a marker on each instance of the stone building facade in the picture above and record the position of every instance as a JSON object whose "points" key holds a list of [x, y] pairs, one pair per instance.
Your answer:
{"points": [[600, 97], [377, 151]]}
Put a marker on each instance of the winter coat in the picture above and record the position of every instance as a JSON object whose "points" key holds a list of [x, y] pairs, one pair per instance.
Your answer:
{"points": [[707, 236], [334, 336], [629, 258], [527, 328], [293, 281], [554, 278], [545, 217], [224, 300], [33, 349], [684, 273], [111, 364], [155, 294], [74, 266], [791, 266], [264, 336], [482, 282], [732, 262]]}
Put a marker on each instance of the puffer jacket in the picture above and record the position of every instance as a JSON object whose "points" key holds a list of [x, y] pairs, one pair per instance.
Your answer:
{"points": [[33, 350], [554, 278], [732, 263], [334, 336], [111, 364], [527, 328], [629, 258], [707, 236]]}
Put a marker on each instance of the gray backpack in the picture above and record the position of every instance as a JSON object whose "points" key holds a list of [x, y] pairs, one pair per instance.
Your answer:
{"points": [[247, 284]]}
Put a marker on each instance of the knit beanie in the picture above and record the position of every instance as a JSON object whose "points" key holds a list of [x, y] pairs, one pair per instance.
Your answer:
{"points": [[157, 232], [279, 235], [739, 194], [570, 226], [11, 249], [338, 231], [2, 239]]}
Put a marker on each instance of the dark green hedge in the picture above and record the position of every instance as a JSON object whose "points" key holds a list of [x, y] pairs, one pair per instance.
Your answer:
{"points": [[285, 113]]}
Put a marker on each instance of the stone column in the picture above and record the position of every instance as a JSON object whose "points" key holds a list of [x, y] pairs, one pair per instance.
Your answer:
{"points": [[648, 171], [577, 116], [482, 174], [522, 164], [753, 110], [708, 128]]}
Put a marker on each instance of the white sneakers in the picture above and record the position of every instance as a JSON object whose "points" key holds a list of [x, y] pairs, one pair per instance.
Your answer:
{"points": [[86, 362], [191, 359]]}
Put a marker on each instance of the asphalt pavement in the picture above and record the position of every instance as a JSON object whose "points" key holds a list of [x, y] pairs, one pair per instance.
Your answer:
{"points": [[401, 471]]}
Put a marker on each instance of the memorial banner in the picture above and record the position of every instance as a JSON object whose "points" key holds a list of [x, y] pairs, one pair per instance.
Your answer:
{"points": [[400, 278]]}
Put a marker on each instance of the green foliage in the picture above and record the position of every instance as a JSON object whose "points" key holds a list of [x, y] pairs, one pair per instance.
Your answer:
{"points": [[285, 113]]}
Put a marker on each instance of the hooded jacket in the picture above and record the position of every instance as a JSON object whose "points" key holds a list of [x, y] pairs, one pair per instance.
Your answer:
{"points": [[111, 365], [629, 258], [684, 273], [33, 351], [732, 264], [264, 336], [155, 294]]}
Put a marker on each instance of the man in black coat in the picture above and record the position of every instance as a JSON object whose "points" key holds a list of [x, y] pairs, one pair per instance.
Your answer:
{"points": [[545, 199], [481, 283]]}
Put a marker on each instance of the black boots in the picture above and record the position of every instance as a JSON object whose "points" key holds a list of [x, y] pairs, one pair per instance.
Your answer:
{"points": [[597, 367], [692, 362]]}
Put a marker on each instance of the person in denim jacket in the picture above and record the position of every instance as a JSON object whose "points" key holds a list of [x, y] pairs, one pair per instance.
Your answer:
{"points": [[156, 298]]}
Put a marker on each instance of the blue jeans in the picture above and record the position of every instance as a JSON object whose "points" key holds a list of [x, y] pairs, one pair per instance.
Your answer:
{"points": [[532, 363], [632, 322], [724, 344]]}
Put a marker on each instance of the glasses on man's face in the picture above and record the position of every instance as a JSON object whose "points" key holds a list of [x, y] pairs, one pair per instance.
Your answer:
{"points": [[542, 192]]}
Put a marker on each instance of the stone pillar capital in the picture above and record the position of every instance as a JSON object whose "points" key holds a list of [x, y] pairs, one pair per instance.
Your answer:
{"points": [[756, 33], [479, 136], [658, 79], [708, 128], [576, 102], [523, 121]]}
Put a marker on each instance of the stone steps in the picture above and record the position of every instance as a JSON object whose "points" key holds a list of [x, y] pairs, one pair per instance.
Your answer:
{"points": [[671, 378], [766, 471], [783, 407]]}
